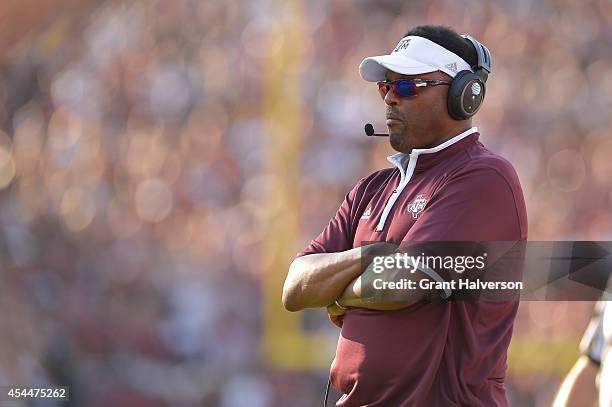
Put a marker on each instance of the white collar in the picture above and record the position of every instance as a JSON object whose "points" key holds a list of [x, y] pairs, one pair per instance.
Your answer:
{"points": [[401, 160]]}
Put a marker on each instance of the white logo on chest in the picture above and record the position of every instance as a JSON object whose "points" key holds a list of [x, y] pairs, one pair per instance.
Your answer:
{"points": [[367, 213], [417, 206]]}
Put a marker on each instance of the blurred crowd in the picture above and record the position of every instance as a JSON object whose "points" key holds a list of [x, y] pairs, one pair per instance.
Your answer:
{"points": [[133, 175]]}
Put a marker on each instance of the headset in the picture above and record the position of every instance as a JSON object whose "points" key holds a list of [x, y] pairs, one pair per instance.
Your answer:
{"points": [[467, 90]]}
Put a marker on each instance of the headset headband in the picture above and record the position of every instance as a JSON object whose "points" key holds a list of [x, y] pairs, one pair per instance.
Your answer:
{"points": [[483, 67]]}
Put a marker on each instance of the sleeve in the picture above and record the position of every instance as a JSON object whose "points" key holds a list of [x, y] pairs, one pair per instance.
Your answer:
{"points": [[338, 234]]}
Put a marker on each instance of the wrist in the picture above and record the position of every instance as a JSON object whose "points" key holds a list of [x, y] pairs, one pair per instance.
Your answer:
{"points": [[351, 293]]}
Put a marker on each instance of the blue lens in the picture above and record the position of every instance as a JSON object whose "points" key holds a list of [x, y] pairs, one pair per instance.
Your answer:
{"points": [[405, 87]]}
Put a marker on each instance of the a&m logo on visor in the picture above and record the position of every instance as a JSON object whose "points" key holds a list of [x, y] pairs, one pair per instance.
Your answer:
{"points": [[417, 206], [403, 44]]}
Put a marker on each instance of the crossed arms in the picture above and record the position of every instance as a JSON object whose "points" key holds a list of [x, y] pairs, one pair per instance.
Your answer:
{"points": [[317, 280]]}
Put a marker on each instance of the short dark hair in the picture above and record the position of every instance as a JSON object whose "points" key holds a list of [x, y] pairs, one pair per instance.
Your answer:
{"points": [[449, 39]]}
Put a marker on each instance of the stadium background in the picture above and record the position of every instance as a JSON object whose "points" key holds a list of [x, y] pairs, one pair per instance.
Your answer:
{"points": [[161, 162]]}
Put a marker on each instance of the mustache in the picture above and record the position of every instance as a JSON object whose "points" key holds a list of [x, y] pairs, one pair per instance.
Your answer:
{"points": [[391, 111]]}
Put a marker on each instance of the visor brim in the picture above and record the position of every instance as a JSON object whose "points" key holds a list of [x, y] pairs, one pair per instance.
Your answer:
{"points": [[374, 69]]}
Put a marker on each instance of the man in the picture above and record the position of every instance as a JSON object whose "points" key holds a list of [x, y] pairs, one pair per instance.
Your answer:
{"points": [[446, 186], [590, 378]]}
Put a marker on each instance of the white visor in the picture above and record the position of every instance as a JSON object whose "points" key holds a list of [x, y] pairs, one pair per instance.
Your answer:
{"points": [[413, 55]]}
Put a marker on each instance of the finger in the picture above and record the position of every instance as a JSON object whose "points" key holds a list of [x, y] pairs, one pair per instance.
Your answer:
{"points": [[337, 320], [334, 310]]}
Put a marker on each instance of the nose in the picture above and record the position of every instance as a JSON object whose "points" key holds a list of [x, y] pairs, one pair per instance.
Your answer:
{"points": [[391, 99]]}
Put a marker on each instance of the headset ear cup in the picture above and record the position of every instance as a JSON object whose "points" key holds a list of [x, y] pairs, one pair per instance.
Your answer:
{"points": [[465, 95], [455, 91]]}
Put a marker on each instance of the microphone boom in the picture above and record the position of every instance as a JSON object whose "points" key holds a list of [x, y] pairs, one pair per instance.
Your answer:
{"points": [[369, 131]]}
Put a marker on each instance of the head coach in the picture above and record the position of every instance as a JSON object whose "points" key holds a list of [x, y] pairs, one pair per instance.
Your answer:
{"points": [[445, 185]]}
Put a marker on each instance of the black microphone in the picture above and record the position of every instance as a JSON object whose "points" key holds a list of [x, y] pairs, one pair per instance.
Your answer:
{"points": [[369, 130]]}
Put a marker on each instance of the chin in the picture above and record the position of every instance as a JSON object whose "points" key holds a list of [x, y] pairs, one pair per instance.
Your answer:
{"points": [[397, 141]]}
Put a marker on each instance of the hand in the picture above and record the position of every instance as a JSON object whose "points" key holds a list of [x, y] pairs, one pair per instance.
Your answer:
{"points": [[351, 297], [351, 293], [336, 314]]}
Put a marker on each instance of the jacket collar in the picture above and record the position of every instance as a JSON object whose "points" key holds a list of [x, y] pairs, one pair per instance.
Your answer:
{"points": [[428, 157]]}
